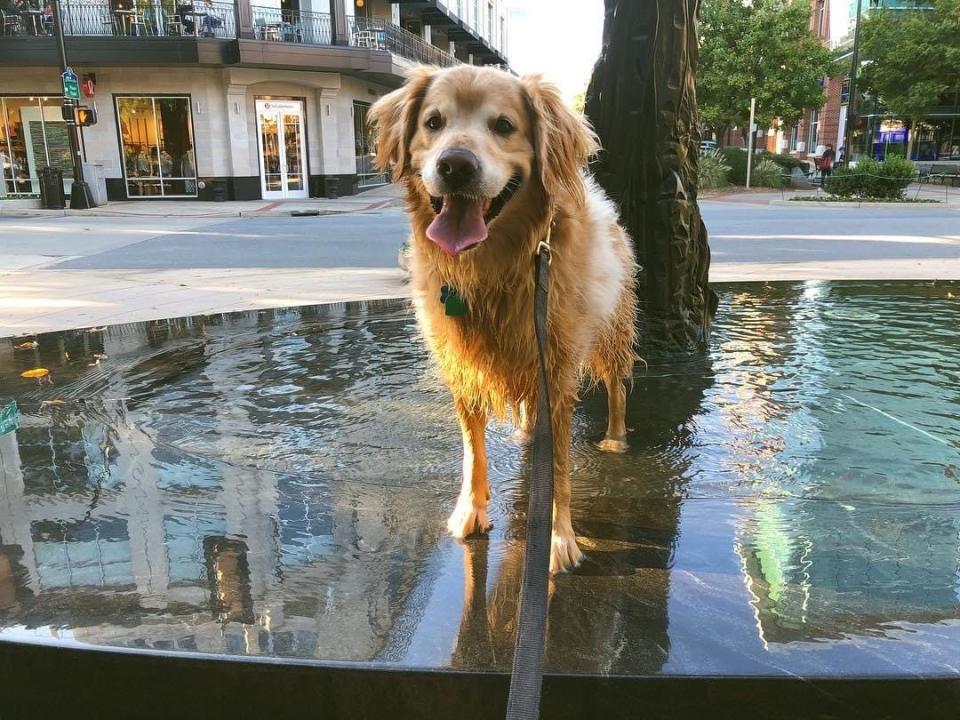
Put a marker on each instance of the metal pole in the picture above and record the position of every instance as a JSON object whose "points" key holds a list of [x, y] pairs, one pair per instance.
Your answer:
{"points": [[753, 107], [852, 99], [80, 198]]}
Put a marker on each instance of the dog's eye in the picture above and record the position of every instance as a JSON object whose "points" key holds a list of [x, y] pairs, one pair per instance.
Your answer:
{"points": [[503, 126], [434, 123]]}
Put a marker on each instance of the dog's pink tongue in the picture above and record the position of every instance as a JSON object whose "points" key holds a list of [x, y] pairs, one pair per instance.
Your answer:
{"points": [[459, 225]]}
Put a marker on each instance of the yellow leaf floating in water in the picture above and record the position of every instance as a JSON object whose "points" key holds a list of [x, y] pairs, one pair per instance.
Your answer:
{"points": [[27, 346], [35, 373]]}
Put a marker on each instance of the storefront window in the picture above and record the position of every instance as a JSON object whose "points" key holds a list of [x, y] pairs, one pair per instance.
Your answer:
{"points": [[33, 135], [157, 144]]}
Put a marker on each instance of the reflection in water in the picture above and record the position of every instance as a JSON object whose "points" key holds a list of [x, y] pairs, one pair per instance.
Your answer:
{"points": [[275, 483]]}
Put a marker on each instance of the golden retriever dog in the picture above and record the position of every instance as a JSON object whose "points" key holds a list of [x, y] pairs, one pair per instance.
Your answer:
{"points": [[489, 163]]}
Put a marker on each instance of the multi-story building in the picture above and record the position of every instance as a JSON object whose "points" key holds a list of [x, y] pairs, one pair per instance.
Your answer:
{"points": [[205, 98], [877, 132]]}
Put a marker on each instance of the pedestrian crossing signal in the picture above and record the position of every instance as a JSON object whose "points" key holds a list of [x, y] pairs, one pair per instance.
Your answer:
{"points": [[86, 116]]}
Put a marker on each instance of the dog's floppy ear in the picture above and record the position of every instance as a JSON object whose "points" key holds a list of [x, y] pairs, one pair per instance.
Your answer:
{"points": [[562, 139], [394, 117]]}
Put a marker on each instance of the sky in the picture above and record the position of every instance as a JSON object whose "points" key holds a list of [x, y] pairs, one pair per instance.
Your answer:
{"points": [[559, 38]]}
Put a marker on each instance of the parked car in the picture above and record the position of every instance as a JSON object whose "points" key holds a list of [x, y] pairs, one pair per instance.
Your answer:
{"points": [[707, 146]]}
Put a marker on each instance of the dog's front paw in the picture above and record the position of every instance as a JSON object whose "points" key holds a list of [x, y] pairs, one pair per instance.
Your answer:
{"points": [[468, 518], [564, 553], [613, 445]]}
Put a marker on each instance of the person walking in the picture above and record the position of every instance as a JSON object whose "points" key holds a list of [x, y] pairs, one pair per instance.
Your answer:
{"points": [[826, 163]]}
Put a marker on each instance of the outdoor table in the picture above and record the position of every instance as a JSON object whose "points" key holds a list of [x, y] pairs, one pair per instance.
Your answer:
{"points": [[124, 20], [35, 19], [198, 17]]}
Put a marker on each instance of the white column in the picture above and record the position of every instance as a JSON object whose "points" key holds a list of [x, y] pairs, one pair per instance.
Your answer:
{"points": [[428, 33], [395, 13], [328, 103], [241, 162], [143, 503]]}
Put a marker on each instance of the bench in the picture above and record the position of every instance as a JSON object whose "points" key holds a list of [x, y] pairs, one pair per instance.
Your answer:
{"points": [[943, 173]]}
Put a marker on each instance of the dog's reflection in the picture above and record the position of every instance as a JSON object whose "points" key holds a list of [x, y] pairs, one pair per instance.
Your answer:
{"points": [[610, 613], [621, 586]]}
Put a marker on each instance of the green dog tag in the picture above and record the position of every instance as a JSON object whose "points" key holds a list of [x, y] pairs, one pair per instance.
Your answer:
{"points": [[453, 304]]}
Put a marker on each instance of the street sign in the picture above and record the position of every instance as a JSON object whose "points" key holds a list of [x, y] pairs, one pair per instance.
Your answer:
{"points": [[89, 85], [71, 84], [9, 418]]}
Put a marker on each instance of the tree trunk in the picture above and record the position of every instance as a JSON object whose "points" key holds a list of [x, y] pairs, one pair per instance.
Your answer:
{"points": [[722, 136], [911, 137], [642, 103]]}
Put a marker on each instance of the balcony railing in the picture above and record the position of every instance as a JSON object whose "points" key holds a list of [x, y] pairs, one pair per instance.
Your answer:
{"points": [[217, 19], [291, 26], [382, 35], [132, 19]]}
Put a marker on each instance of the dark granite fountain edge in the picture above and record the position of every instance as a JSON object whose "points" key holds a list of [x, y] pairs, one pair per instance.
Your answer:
{"points": [[44, 680]]}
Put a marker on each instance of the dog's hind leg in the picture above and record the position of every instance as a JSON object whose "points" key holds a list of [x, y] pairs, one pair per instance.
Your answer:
{"points": [[616, 438], [470, 513]]}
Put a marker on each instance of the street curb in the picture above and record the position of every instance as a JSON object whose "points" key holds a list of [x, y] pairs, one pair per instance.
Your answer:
{"points": [[94, 212], [816, 203]]}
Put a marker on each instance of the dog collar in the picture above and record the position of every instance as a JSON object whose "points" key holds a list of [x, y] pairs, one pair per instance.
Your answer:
{"points": [[453, 304]]}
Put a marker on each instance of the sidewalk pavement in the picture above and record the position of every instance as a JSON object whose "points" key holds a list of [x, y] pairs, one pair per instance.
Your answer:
{"points": [[946, 196], [374, 199], [37, 296], [52, 300]]}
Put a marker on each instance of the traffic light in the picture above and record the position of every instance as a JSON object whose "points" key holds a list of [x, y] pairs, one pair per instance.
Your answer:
{"points": [[86, 116]]}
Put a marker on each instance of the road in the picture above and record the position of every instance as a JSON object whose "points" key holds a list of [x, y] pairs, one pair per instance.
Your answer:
{"points": [[59, 272]]}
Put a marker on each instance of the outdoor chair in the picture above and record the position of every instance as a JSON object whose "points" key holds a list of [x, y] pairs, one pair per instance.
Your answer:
{"points": [[175, 26], [291, 32], [364, 38], [265, 31], [11, 23]]}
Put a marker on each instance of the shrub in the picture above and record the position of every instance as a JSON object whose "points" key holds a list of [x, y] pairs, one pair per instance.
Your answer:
{"points": [[880, 180], [787, 162], [844, 182], [766, 173], [893, 176], [736, 160], [713, 171]]}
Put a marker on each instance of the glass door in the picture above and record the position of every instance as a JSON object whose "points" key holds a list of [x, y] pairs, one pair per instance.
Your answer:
{"points": [[280, 140]]}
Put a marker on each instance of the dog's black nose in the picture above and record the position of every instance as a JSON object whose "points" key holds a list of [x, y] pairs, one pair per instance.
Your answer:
{"points": [[458, 167]]}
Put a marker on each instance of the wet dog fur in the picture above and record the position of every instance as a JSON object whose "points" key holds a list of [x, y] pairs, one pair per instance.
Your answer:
{"points": [[528, 153]]}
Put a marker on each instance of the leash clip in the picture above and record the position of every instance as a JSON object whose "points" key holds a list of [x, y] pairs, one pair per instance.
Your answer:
{"points": [[544, 245]]}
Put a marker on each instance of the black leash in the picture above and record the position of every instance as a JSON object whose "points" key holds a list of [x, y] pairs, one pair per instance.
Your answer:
{"points": [[523, 702]]}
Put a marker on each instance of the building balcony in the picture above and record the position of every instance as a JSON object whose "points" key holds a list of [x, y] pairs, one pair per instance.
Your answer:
{"points": [[382, 35], [100, 18], [152, 32], [450, 17]]}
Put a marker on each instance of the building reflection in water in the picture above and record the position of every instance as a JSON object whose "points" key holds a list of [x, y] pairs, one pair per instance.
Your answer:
{"points": [[275, 483]]}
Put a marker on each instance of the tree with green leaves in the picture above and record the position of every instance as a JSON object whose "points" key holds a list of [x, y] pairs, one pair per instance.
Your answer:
{"points": [[911, 57], [761, 49]]}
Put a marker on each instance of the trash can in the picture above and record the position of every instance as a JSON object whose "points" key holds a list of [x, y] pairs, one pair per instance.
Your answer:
{"points": [[93, 174], [51, 189], [331, 187], [219, 190]]}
